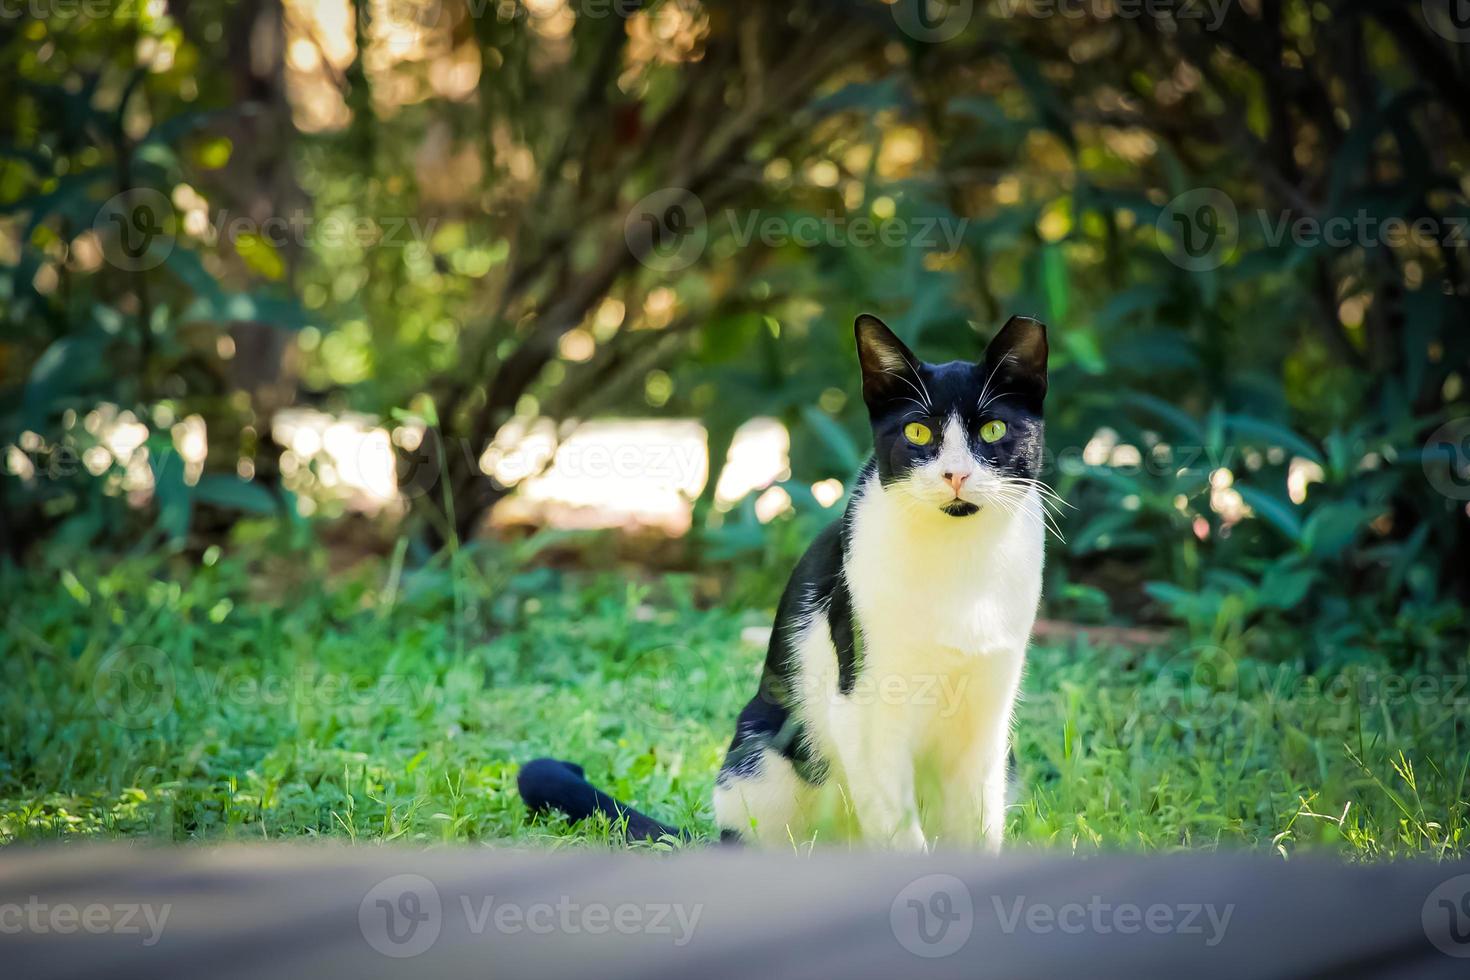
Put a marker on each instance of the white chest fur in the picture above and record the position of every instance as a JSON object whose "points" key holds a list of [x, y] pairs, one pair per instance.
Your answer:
{"points": [[945, 606], [928, 581]]}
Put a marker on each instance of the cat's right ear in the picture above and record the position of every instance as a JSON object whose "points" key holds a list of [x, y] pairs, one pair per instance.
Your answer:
{"points": [[890, 370], [1016, 358]]}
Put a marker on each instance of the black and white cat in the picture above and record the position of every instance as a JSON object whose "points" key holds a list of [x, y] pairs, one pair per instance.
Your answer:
{"points": [[886, 698]]}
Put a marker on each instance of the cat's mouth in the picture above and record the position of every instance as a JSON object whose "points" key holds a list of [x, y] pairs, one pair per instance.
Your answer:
{"points": [[960, 508]]}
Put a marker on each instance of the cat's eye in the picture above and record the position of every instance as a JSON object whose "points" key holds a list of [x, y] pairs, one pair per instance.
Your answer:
{"points": [[917, 433], [992, 431]]}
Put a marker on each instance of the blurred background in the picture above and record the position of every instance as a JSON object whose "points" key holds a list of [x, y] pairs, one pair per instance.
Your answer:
{"points": [[325, 291]]}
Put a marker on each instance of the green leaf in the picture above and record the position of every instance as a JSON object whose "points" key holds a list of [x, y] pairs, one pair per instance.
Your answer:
{"points": [[1334, 526], [1126, 306], [1276, 511], [844, 450], [227, 490], [1171, 595], [69, 365], [212, 154], [1082, 348], [1101, 533], [174, 497], [1054, 280], [1183, 423], [1151, 351], [1285, 585], [260, 255], [252, 307], [867, 96], [1272, 433]]}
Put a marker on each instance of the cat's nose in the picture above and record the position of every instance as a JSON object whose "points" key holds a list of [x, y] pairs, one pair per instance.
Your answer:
{"points": [[956, 480]]}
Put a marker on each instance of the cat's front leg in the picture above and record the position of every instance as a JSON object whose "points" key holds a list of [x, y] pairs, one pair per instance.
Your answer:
{"points": [[873, 744], [882, 790], [973, 762], [972, 812]]}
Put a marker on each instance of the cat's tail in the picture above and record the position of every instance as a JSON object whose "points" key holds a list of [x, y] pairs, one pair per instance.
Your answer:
{"points": [[551, 784]]}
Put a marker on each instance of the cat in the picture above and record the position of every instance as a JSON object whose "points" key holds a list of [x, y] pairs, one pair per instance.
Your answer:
{"points": [[896, 655]]}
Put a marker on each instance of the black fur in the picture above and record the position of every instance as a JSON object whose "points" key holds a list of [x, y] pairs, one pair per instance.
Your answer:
{"points": [[552, 784]]}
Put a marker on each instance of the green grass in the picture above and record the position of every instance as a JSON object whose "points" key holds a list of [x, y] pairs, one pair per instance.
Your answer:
{"points": [[246, 700]]}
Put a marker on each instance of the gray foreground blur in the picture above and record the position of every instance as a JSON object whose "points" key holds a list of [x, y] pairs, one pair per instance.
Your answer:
{"points": [[296, 911]]}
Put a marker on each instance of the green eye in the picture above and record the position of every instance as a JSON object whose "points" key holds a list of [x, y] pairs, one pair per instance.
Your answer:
{"points": [[992, 431], [917, 433]]}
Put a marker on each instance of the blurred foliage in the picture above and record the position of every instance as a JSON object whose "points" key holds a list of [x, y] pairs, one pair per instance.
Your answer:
{"points": [[445, 213]]}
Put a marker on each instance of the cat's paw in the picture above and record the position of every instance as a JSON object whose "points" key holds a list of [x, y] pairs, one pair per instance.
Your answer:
{"points": [[910, 840]]}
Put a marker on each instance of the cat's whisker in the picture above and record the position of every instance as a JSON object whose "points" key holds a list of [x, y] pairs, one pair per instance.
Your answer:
{"points": [[1050, 517], [923, 409], [1015, 491], [1053, 506], [920, 378], [1041, 519], [982, 401], [921, 392], [1039, 485], [1047, 493]]}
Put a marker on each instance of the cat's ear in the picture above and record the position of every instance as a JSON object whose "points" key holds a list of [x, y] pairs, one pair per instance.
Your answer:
{"points": [[890, 369], [1016, 358]]}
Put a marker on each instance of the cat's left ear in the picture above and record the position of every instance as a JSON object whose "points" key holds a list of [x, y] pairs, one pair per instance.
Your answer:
{"points": [[1016, 358]]}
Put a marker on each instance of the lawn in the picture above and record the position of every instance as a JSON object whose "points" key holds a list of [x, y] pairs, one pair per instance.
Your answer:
{"points": [[265, 699]]}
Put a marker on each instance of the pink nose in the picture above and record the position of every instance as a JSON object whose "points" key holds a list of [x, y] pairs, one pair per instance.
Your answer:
{"points": [[956, 480]]}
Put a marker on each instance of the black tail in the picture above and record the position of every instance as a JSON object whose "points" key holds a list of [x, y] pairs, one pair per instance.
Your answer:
{"points": [[550, 784]]}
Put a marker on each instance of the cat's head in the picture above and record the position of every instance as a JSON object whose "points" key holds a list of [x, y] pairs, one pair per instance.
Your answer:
{"points": [[961, 436]]}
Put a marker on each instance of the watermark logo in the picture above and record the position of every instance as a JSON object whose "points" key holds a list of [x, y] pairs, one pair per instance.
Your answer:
{"points": [[138, 686], [667, 230], [836, 230], [1446, 917], [407, 25], [1199, 229], [401, 916], [1204, 682], [40, 918], [659, 682], [416, 465], [1363, 229], [1450, 19], [933, 916], [1208, 15], [1103, 918], [411, 452], [569, 917], [60, 9], [1204, 688], [134, 228], [1446, 459], [933, 21], [134, 687], [138, 229]]}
